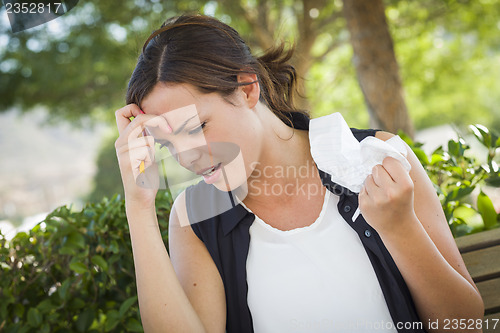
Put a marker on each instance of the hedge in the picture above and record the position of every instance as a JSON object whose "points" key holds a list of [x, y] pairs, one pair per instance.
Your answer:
{"points": [[73, 272]]}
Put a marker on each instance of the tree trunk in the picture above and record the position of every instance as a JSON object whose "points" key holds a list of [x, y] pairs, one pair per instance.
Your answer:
{"points": [[376, 65]]}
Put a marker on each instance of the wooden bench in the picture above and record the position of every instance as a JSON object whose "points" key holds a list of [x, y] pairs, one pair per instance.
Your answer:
{"points": [[481, 253]]}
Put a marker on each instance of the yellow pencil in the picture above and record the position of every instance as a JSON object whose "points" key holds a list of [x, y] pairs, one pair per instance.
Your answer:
{"points": [[144, 133], [141, 166]]}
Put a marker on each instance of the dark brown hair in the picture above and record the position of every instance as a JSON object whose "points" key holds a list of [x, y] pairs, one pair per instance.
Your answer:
{"points": [[208, 54]]}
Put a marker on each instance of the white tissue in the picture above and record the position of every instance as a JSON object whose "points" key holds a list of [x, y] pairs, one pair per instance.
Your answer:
{"points": [[336, 151]]}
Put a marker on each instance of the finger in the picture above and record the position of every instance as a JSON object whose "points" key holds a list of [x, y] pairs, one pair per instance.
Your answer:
{"points": [[145, 141], [159, 123], [138, 156], [123, 116], [369, 185], [363, 192], [149, 124], [395, 170], [380, 176]]}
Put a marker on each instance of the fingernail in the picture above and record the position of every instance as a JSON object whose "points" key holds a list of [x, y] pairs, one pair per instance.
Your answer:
{"points": [[142, 112]]}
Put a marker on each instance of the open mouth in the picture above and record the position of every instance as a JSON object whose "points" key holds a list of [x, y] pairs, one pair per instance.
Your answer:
{"points": [[210, 171]]}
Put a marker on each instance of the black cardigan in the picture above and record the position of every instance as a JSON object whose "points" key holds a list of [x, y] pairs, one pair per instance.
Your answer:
{"points": [[227, 239]]}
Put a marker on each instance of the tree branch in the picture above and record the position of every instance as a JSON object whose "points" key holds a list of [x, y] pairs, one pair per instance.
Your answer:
{"points": [[263, 36], [329, 49]]}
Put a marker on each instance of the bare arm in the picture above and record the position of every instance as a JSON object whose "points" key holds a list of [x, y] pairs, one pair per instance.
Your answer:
{"points": [[196, 270], [407, 214], [164, 304]]}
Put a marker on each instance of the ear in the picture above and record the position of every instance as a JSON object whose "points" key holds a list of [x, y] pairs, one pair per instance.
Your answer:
{"points": [[250, 92]]}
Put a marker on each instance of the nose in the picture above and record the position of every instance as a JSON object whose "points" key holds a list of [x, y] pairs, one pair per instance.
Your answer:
{"points": [[188, 157]]}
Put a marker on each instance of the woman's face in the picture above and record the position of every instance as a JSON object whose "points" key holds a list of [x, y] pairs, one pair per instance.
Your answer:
{"points": [[209, 137]]}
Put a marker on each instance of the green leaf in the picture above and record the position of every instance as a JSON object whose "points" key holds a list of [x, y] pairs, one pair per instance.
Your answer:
{"points": [[127, 304], [487, 210], [19, 310], [45, 306], [436, 158], [76, 304], [3, 310], [45, 328], [133, 325], [68, 250], [469, 216], [85, 320], [460, 229], [113, 247], [422, 157], [23, 329], [493, 180], [453, 149], [476, 133], [459, 193], [78, 267], [99, 261], [76, 240], [482, 134], [63, 289], [34, 317], [112, 319]]}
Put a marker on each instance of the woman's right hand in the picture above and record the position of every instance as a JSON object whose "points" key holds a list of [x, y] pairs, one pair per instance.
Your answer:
{"points": [[133, 148]]}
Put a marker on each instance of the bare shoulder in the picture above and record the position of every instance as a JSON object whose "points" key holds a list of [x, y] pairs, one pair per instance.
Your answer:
{"points": [[195, 269], [178, 213], [417, 171], [382, 135]]}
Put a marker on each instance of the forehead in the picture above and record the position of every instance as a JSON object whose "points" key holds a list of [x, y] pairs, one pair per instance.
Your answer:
{"points": [[175, 102]]}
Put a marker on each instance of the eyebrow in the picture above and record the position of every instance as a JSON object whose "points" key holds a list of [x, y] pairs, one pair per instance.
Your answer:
{"points": [[184, 125]]}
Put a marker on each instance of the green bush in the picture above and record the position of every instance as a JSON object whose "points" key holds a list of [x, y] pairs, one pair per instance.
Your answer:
{"points": [[456, 174], [73, 272]]}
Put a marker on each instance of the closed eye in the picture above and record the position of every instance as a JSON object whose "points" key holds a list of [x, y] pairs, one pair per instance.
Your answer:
{"points": [[198, 129], [167, 144]]}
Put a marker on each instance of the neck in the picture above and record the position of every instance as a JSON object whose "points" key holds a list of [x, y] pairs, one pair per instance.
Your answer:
{"points": [[285, 163]]}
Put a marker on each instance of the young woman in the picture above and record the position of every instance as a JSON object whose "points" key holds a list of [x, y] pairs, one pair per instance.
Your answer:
{"points": [[290, 253]]}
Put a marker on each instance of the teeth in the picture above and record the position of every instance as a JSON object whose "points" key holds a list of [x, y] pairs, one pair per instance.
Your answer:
{"points": [[209, 172]]}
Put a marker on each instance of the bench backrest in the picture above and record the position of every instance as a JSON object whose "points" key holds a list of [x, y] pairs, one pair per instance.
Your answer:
{"points": [[481, 254]]}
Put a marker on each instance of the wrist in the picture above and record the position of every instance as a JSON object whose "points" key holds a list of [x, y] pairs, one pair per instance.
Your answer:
{"points": [[138, 211], [132, 204], [401, 229]]}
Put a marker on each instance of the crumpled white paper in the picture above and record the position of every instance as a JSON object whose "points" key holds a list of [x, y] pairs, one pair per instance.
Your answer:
{"points": [[336, 151]]}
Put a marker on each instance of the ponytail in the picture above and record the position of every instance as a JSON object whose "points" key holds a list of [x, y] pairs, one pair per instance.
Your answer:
{"points": [[278, 80]]}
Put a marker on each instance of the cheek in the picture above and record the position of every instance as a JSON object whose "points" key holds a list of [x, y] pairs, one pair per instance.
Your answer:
{"points": [[241, 132]]}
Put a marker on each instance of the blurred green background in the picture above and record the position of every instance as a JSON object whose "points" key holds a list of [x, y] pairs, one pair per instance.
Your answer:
{"points": [[61, 82]]}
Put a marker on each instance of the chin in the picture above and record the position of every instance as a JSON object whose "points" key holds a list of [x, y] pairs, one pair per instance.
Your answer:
{"points": [[232, 176]]}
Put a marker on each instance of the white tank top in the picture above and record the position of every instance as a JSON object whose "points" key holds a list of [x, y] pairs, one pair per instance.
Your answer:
{"points": [[313, 279]]}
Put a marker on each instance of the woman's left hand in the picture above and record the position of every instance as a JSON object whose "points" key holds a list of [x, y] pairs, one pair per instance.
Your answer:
{"points": [[386, 200]]}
